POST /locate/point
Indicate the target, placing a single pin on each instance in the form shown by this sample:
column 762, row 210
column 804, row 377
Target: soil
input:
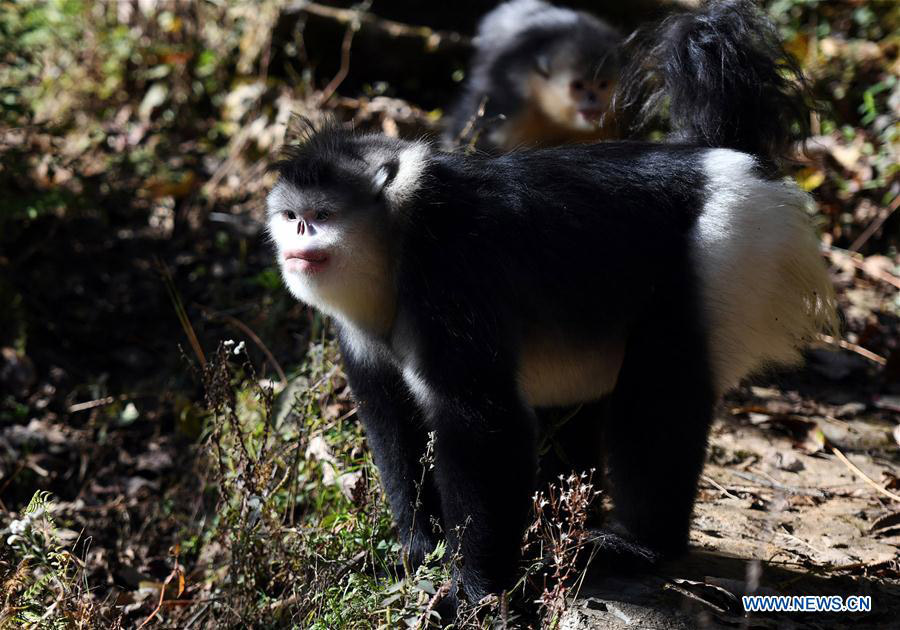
column 776, row 514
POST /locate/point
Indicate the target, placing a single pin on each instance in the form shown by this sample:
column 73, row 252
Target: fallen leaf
column 886, row 522
column 810, row 178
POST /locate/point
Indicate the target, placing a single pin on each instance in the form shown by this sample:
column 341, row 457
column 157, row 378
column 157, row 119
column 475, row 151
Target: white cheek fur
column 355, row 286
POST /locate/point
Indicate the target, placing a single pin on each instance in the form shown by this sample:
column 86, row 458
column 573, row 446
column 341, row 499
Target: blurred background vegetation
column 144, row 329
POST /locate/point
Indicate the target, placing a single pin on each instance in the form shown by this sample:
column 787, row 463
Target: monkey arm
column 398, row 440
column 485, row 466
column 486, row 439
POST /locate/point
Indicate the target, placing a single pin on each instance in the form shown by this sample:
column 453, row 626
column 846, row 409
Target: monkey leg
column 656, row 436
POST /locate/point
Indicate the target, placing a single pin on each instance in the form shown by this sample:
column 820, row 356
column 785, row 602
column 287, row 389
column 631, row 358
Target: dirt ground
column 777, row 514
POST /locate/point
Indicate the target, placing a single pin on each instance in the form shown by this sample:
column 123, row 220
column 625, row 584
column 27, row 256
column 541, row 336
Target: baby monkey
column 541, row 76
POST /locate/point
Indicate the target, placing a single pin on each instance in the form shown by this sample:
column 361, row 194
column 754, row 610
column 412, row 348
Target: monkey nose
column 301, row 227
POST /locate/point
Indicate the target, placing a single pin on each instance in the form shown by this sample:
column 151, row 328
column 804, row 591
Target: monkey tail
column 726, row 78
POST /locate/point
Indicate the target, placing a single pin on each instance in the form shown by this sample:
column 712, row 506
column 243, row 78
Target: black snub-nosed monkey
column 469, row 292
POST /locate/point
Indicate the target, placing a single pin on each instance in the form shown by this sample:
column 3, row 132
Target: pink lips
column 591, row 114
column 305, row 261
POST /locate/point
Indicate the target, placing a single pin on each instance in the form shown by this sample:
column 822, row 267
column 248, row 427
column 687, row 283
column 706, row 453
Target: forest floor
column 178, row 447
column 776, row 514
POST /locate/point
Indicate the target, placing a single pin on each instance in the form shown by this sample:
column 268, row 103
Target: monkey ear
column 384, row 176
column 542, row 65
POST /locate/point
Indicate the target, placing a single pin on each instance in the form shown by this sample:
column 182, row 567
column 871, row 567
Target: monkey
column 541, row 76
column 722, row 78
column 471, row 291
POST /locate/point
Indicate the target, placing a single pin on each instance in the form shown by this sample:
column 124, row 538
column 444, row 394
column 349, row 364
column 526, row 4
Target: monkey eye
column 290, row 215
column 577, row 84
column 603, row 84
column 322, row 215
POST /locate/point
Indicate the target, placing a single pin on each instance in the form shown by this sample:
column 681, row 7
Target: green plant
column 44, row 585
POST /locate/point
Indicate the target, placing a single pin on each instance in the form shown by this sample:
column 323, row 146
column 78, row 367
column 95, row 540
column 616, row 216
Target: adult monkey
column 469, row 291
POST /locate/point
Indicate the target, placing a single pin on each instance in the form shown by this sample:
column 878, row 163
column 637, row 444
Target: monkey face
column 332, row 215
column 591, row 97
column 330, row 251
column 571, row 90
column 572, row 101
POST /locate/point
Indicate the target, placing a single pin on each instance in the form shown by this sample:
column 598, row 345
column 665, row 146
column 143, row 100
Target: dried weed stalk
column 559, row 537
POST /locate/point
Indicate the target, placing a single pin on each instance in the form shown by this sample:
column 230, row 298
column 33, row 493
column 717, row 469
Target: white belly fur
column 556, row 372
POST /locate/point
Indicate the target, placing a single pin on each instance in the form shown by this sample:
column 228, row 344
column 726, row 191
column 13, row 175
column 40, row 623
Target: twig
column 199, row 614
column 342, row 72
column 349, row 414
column 852, row 347
column 470, row 126
column 351, row 564
column 91, row 404
column 771, row 482
column 180, row 311
column 176, row 573
column 875, row 225
column 438, row 596
column 354, row 562
column 330, row 373
column 855, row 469
column 235, row 148
column 434, row 40
column 234, row 321
column 858, row 261
column 797, row 539
column 292, row 488
column 719, row 486
column 19, row 468
column 691, row 595
column 101, row 402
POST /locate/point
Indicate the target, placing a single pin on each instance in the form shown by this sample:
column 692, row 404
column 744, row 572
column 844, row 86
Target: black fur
column 726, row 78
column 396, row 433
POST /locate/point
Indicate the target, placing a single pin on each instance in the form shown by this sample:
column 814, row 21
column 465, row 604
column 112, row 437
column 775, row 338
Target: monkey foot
column 619, row 554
